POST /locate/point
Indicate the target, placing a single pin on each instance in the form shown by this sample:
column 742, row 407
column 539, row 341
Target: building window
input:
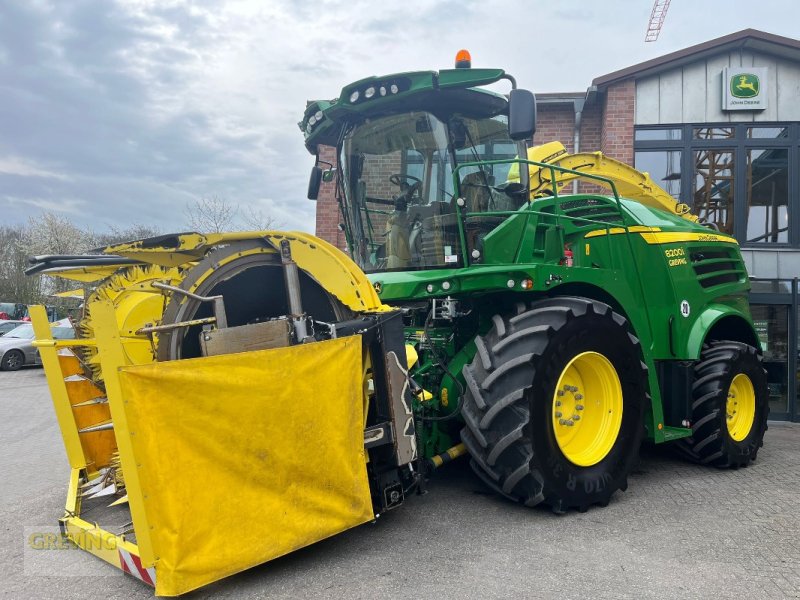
column 771, row 322
column 768, row 195
column 767, row 132
column 664, row 167
column 713, row 133
column 658, row 134
column 712, row 199
column 739, row 177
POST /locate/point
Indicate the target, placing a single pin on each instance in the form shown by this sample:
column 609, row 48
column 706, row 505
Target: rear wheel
column 730, row 405
column 12, row 361
column 554, row 404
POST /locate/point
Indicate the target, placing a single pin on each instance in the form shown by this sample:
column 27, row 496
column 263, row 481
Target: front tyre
column 555, row 403
column 730, row 405
column 12, row 361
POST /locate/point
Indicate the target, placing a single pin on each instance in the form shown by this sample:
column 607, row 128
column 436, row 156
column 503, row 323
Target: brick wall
column 555, row 123
column 616, row 139
column 591, row 128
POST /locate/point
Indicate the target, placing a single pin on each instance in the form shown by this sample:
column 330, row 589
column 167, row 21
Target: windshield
column 25, row 332
column 397, row 183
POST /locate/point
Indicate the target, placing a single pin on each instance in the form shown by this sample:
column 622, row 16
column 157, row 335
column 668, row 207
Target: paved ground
column 679, row 531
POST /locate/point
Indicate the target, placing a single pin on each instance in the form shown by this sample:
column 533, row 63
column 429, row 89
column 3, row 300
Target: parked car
column 16, row 346
column 8, row 325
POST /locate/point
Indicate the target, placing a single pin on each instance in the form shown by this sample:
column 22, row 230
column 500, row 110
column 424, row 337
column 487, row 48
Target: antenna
column 657, row 17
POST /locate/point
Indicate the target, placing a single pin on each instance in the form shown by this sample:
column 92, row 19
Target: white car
column 16, row 346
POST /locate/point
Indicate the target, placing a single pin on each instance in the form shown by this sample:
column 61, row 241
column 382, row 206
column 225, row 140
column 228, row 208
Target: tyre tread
column 709, row 443
column 495, row 406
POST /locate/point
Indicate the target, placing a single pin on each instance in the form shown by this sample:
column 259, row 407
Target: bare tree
column 215, row 214
column 211, row 214
column 15, row 286
column 50, row 233
column 257, row 220
column 119, row 235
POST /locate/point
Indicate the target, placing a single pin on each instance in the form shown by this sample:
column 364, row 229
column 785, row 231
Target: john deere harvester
column 233, row 397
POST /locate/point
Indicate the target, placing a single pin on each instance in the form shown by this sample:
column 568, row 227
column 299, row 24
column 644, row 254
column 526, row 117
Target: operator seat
column 398, row 252
column 440, row 240
column 476, row 192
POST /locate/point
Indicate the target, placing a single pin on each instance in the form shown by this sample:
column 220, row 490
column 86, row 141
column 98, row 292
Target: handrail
column 556, row 202
column 556, row 198
column 548, row 166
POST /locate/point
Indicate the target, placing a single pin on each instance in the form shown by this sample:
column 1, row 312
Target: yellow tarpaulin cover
column 246, row 457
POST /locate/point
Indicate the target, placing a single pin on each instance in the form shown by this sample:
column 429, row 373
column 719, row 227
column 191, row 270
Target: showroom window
column 737, row 176
column 768, row 195
column 774, row 306
column 664, row 167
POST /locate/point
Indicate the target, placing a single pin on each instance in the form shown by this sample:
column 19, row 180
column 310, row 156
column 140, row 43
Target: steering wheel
column 407, row 194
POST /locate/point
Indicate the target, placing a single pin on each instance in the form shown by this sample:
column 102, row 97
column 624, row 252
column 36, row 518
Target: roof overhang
column 747, row 39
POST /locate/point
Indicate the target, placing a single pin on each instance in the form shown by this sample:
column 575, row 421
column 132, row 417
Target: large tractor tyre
column 12, row 361
column 730, row 405
column 555, row 403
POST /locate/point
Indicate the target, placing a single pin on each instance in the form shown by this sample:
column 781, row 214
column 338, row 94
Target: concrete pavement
column 679, row 531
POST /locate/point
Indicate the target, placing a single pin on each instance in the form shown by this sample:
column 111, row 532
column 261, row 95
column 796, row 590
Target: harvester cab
column 402, row 140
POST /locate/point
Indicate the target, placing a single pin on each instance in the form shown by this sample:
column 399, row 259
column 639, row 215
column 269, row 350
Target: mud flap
column 243, row 458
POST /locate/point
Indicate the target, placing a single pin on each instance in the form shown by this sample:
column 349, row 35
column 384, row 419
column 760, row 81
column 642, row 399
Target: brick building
column 718, row 126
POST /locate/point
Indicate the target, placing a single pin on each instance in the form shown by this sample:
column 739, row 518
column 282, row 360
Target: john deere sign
column 744, row 88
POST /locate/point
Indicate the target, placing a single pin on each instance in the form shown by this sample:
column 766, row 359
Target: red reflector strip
column 132, row 565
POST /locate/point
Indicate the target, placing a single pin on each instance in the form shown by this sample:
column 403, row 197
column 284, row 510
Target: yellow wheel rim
column 740, row 407
column 587, row 409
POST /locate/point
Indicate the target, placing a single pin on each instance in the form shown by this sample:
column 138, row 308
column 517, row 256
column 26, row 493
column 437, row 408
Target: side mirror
column 521, row 115
column 314, row 182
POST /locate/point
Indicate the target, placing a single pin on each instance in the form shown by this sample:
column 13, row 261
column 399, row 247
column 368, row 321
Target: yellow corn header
column 218, row 408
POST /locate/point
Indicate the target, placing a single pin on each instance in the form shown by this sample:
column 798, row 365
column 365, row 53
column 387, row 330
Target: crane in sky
column 657, row 16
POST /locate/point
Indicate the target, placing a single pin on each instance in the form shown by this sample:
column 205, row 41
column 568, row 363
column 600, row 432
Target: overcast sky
column 115, row 113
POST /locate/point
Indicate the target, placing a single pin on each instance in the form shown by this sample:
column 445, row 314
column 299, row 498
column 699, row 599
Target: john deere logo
column 745, row 85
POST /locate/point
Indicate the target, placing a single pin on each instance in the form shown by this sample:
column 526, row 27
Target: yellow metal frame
column 88, row 536
column 629, row 182
column 332, row 269
column 72, row 392
column 328, row 265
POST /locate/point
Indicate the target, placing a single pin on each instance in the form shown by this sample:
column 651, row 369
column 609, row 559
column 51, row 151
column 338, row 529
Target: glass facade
column 713, row 191
column 774, row 305
column 772, row 326
column 664, row 167
column 740, row 177
column 768, row 195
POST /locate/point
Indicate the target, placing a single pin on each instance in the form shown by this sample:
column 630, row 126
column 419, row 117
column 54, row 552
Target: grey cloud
column 125, row 112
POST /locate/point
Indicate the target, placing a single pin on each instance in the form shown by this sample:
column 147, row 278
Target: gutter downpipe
column 576, row 141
